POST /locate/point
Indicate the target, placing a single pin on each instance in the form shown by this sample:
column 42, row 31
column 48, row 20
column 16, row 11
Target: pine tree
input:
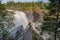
column 50, row 19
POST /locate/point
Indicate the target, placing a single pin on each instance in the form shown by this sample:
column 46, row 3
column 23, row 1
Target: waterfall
column 20, row 19
column 21, row 29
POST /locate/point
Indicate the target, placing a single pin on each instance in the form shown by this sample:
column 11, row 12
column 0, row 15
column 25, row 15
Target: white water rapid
column 20, row 19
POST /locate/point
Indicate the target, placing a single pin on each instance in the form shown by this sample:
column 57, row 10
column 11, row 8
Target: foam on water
column 20, row 19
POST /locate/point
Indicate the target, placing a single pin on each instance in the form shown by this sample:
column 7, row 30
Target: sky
column 4, row 1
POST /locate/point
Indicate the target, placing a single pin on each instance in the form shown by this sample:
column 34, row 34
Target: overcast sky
column 4, row 1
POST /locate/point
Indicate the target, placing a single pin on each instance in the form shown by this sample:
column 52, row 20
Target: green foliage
column 5, row 21
column 24, row 5
column 48, row 26
column 2, row 7
column 50, row 18
column 53, row 6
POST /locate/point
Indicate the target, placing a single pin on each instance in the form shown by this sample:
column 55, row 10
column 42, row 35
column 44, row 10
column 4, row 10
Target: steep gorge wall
column 34, row 16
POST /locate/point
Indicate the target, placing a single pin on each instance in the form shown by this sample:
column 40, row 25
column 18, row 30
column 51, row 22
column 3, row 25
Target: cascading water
column 21, row 29
column 20, row 19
